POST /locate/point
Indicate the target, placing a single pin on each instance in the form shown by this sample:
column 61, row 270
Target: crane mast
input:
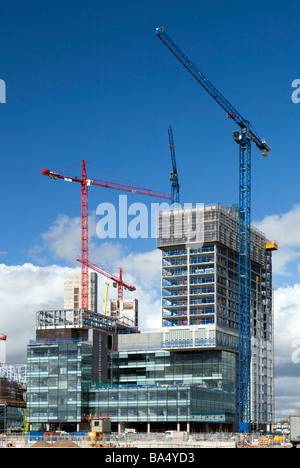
column 173, row 175
column 244, row 137
column 84, row 238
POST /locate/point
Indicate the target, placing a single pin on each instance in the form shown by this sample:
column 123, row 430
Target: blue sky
column 90, row 80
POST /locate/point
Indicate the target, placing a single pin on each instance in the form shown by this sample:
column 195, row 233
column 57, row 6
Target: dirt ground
column 57, row 444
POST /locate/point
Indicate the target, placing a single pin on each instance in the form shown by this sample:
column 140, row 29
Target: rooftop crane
column 244, row 137
column 86, row 182
column 119, row 281
column 173, row 175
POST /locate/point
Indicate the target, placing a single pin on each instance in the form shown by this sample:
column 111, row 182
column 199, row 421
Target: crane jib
column 210, row 88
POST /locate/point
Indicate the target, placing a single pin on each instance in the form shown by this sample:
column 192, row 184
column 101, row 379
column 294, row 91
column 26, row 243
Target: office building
column 71, row 351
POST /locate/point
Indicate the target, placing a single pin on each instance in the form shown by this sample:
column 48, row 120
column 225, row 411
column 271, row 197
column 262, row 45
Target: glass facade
column 165, row 386
column 12, row 418
column 163, row 403
column 141, row 404
column 59, row 376
column 147, row 385
column 214, row 369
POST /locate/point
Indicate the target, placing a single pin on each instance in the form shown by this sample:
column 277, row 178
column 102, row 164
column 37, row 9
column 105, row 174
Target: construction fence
column 143, row 440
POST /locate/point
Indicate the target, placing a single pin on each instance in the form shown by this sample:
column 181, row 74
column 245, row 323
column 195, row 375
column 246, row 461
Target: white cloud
column 286, row 323
column 284, row 228
column 146, row 267
column 287, row 397
column 62, row 241
column 287, row 350
column 25, row 289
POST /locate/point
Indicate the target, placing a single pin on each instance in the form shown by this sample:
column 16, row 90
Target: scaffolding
column 206, row 224
column 13, row 372
column 80, row 318
column 200, row 278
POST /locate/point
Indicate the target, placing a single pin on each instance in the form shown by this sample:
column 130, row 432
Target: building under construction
column 124, row 310
column 12, row 404
column 200, row 292
column 182, row 377
column 73, row 291
column 12, row 393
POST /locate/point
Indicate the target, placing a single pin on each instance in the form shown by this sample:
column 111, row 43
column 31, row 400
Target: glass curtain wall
column 166, row 386
column 59, row 376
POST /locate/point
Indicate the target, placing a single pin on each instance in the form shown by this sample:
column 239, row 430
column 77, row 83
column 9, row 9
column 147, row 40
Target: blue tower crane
column 173, row 175
column 244, row 137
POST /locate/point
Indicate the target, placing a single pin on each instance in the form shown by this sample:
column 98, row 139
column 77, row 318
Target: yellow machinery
column 105, row 299
column 272, row 245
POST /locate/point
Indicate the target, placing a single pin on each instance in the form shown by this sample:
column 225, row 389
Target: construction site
column 206, row 377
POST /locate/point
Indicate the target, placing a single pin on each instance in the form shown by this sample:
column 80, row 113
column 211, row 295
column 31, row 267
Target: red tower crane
column 85, row 183
column 3, row 337
column 119, row 281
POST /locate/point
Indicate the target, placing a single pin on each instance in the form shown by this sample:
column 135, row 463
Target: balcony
column 175, row 272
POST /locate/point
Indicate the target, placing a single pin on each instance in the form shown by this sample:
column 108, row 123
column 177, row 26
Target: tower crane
column 3, row 337
column 117, row 280
column 86, row 182
column 173, row 175
column 243, row 137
